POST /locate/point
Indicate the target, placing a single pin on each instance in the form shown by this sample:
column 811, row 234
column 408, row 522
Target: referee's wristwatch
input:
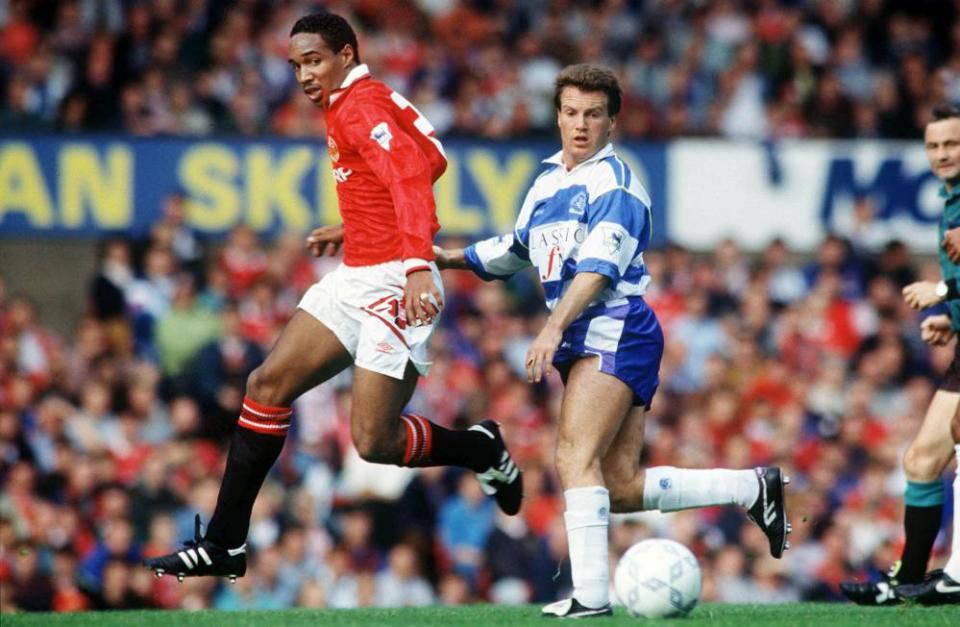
column 946, row 291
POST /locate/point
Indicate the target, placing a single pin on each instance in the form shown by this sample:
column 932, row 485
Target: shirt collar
column 603, row 153
column 949, row 195
column 354, row 75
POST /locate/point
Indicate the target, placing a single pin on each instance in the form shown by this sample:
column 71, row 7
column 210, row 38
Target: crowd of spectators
column 733, row 68
column 113, row 438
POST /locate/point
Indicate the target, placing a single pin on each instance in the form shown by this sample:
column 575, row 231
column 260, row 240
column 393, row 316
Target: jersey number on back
column 421, row 123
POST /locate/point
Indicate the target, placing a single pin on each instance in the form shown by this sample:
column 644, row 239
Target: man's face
column 942, row 141
column 584, row 124
column 318, row 69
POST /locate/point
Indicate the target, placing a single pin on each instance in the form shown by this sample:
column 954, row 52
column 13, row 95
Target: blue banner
column 86, row 186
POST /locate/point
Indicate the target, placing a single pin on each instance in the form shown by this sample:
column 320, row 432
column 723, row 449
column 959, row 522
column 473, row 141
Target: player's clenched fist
column 421, row 298
column 922, row 294
column 936, row 330
column 325, row 240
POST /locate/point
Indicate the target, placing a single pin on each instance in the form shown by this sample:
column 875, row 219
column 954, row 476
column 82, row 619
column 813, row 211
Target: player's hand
column 951, row 244
column 921, row 294
column 421, row 298
column 936, row 330
column 541, row 352
column 325, row 240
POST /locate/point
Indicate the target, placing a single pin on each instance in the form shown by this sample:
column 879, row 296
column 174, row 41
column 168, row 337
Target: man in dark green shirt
column 932, row 448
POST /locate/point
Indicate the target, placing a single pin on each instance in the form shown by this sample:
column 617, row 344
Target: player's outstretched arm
column 490, row 259
column 450, row 258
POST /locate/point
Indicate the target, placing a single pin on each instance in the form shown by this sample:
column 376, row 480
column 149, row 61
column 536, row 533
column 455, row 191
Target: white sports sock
column 670, row 489
column 587, row 517
column 953, row 565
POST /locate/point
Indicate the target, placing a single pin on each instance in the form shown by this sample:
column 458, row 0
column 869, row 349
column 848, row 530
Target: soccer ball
column 658, row 578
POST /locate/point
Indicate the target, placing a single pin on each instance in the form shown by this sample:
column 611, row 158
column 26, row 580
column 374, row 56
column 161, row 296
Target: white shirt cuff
column 413, row 264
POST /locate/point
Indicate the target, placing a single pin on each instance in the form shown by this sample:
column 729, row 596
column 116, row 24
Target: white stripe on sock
column 263, row 425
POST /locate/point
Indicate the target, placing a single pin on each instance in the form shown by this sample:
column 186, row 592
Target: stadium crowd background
column 734, row 68
column 111, row 438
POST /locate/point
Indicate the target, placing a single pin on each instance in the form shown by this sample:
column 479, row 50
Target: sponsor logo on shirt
column 381, row 135
column 385, row 348
column 554, row 264
column 568, row 233
column 333, row 149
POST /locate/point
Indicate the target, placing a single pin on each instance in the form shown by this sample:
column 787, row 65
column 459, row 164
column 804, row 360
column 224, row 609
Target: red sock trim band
column 265, row 411
column 427, row 447
column 419, row 439
column 264, row 419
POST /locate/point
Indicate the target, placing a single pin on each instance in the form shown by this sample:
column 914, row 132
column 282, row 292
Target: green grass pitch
column 818, row 614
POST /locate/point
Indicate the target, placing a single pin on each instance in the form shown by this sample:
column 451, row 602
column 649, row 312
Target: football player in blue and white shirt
column 584, row 226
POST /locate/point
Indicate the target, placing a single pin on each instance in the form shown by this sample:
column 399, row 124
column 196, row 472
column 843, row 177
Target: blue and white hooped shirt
column 593, row 218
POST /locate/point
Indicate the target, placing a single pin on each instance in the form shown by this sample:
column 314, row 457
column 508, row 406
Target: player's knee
column 263, row 387
column 370, row 446
column 572, row 462
column 921, row 464
column 367, row 448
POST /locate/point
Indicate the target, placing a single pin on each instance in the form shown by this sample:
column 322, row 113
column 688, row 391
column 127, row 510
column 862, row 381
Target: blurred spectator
column 221, row 367
column 465, row 522
column 101, row 570
column 32, row 589
column 183, row 331
column 400, row 584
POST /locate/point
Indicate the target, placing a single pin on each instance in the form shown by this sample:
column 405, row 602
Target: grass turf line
column 714, row 614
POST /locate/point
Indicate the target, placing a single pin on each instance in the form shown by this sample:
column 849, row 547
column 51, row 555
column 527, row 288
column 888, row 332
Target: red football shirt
column 385, row 158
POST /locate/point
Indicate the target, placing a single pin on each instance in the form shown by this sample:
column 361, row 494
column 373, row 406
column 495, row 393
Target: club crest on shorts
column 381, row 134
column 333, row 149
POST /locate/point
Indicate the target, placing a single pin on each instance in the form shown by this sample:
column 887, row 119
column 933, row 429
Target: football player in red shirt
column 376, row 311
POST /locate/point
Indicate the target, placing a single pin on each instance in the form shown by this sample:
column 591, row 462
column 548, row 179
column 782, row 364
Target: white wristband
column 413, row 265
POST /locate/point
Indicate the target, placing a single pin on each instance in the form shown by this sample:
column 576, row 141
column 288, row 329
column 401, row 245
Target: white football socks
column 953, row 565
column 670, row 489
column 587, row 517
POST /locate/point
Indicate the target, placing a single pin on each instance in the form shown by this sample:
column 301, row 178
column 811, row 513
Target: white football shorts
column 363, row 306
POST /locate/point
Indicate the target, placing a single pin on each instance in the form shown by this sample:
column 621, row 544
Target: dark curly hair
column 335, row 31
